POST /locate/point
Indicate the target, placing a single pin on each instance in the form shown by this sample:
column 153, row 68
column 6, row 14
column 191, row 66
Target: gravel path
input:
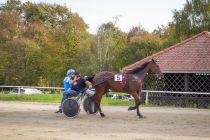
column 36, row 121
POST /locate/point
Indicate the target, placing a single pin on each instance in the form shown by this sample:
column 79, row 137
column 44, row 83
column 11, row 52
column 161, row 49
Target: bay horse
column 104, row 81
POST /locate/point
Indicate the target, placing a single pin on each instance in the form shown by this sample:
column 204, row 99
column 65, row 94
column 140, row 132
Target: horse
column 133, row 82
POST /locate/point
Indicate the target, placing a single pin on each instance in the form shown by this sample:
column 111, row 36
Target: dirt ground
column 36, row 121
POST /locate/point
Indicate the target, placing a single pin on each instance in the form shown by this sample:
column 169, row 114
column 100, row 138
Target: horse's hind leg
column 99, row 108
column 97, row 98
column 100, row 111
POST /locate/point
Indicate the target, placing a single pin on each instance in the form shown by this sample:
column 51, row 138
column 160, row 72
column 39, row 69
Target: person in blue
column 67, row 87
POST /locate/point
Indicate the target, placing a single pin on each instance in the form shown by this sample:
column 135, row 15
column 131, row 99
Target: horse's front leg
column 137, row 98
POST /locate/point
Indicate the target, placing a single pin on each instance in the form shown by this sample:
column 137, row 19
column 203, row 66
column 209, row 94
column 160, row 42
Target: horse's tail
column 90, row 78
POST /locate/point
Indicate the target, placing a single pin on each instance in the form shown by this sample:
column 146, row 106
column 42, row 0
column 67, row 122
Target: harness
column 123, row 82
column 118, row 77
column 124, row 79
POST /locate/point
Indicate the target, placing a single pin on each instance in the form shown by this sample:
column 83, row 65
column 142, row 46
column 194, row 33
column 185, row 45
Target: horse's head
column 155, row 69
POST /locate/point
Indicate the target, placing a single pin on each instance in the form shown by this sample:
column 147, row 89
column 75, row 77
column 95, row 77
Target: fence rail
column 7, row 89
column 198, row 99
column 31, row 87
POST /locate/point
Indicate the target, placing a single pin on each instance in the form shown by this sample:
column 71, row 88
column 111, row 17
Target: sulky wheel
column 70, row 107
column 90, row 106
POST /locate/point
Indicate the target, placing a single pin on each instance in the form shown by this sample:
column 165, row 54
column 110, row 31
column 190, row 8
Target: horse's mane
column 140, row 68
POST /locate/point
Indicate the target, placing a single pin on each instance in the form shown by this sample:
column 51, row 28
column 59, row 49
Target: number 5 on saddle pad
column 118, row 77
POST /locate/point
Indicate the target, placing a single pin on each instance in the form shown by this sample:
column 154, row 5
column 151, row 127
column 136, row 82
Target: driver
column 77, row 83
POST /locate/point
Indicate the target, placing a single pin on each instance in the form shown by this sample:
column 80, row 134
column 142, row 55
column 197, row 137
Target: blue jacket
column 66, row 83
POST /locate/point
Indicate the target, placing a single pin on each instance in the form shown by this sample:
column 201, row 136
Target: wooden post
column 186, row 82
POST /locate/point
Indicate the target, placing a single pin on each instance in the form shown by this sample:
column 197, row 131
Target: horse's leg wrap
column 132, row 108
column 100, row 111
column 102, row 115
column 141, row 116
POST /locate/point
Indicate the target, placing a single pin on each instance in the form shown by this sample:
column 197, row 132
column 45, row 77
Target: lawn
column 55, row 98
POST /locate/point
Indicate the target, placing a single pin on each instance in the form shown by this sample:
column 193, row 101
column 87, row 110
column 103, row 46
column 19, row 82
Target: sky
column 148, row 14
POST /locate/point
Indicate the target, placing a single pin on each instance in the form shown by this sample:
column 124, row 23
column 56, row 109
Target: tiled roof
column 191, row 55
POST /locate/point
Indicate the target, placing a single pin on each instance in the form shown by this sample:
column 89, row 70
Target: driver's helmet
column 70, row 72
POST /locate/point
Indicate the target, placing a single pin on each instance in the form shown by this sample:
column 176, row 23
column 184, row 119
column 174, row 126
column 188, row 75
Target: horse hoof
column 102, row 115
column 131, row 108
column 142, row 117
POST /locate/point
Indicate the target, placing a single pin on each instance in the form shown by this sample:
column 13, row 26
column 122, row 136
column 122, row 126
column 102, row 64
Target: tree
column 53, row 15
column 109, row 40
column 23, row 62
column 11, row 25
column 40, row 42
column 140, row 46
column 12, row 5
column 2, row 65
column 192, row 19
column 136, row 31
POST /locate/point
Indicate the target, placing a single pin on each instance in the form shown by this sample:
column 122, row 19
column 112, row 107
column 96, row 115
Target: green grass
column 51, row 98
column 55, row 98
column 108, row 101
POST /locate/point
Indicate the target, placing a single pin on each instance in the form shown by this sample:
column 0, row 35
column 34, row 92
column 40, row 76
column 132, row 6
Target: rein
column 100, row 82
column 104, row 80
column 123, row 82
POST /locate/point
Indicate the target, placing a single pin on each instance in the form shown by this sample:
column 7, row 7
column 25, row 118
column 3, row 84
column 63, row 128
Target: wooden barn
column 186, row 65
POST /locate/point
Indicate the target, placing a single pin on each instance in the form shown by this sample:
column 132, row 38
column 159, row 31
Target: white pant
column 90, row 92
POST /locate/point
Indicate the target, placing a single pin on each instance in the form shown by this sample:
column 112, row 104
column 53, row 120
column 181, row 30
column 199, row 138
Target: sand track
column 36, row 121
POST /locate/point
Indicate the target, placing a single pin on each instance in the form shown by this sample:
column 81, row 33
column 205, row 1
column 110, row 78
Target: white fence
column 7, row 89
column 170, row 92
column 164, row 96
